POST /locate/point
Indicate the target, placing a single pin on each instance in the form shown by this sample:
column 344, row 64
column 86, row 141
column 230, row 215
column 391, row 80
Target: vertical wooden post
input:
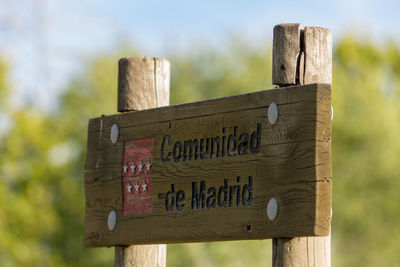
column 301, row 57
column 143, row 83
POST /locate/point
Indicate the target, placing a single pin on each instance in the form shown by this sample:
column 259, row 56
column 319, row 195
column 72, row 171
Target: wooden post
column 143, row 83
column 301, row 57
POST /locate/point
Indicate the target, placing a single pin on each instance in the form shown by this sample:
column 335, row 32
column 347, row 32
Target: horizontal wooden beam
column 206, row 171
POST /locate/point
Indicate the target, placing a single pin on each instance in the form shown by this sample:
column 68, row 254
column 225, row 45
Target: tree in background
column 366, row 149
column 41, row 170
column 42, row 157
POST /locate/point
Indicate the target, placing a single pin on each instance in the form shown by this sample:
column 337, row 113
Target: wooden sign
column 206, row 171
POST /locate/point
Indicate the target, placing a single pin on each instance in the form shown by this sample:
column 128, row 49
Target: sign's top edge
column 182, row 105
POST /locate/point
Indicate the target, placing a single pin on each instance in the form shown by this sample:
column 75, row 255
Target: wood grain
column 286, row 49
column 293, row 166
column 143, row 83
column 301, row 56
column 315, row 65
column 144, row 255
column 318, row 55
column 292, row 251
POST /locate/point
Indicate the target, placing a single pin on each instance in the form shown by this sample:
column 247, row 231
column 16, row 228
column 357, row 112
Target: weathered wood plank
column 286, row 49
column 291, row 166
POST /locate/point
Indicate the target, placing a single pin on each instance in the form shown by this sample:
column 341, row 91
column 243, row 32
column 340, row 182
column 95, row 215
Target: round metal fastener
column 112, row 220
column 331, row 113
column 273, row 113
column 272, row 209
column 114, row 133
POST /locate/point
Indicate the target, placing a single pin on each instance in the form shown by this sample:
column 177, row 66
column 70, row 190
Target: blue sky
column 46, row 41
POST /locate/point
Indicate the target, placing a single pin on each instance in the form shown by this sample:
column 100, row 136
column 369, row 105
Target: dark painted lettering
column 198, row 198
column 212, row 147
column 238, row 191
column 177, row 155
column 204, row 155
column 244, row 143
column 256, row 137
column 212, row 198
column 180, row 197
column 189, row 144
column 232, row 139
column 215, row 142
column 223, row 190
column 170, row 199
column 164, row 158
column 247, row 194
column 229, row 195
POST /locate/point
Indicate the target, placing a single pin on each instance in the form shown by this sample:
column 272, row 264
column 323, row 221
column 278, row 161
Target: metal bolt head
column 272, row 209
column 112, row 220
column 331, row 113
column 273, row 113
column 114, row 133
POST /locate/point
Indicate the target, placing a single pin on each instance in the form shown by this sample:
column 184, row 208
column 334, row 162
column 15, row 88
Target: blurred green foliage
column 366, row 149
column 42, row 157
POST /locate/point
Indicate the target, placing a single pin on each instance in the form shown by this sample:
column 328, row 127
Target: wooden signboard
column 206, row 171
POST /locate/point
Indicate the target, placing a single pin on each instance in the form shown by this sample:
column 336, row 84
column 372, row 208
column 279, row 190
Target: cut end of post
column 143, row 83
column 318, row 55
column 286, row 48
column 301, row 56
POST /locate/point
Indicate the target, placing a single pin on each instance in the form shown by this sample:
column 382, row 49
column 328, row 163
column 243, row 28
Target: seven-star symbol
column 148, row 165
column 133, row 166
column 125, row 169
column 140, row 167
column 144, row 186
column 129, row 187
column 136, row 186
